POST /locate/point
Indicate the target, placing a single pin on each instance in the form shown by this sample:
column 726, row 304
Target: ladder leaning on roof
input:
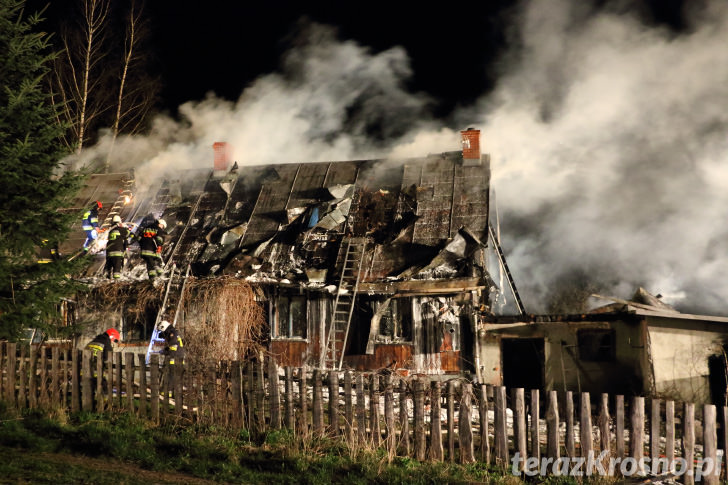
column 504, row 266
column 172, row 298
column 351, row 254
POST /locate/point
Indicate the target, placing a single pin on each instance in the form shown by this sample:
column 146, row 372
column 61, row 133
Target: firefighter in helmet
column 151, row 239
column 174, row 350
column 102, row 343
column 90, row 223
column 118, row 241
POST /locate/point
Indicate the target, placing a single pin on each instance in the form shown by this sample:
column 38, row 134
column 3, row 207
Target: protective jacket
column 118, row 241
column 151, row 239
column 90, row 219
column 174, row 347
column 102, row 343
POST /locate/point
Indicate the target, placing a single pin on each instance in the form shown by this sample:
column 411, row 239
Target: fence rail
column 530, row 432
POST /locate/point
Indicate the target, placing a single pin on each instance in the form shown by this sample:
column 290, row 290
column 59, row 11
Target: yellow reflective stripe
column 171, row 361
column 172, row 347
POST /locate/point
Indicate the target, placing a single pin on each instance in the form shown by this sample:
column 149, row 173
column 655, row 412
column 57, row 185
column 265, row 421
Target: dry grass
column 135, row 297
column 223, row 320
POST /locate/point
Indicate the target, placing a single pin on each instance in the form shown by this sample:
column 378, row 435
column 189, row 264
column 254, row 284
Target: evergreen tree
column 33, row 182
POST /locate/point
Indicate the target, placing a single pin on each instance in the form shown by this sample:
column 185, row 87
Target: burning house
column 360, row 264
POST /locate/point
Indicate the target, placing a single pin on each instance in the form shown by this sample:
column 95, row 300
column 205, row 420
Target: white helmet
column 162, row 223
column 116, row 219
column 163, row 325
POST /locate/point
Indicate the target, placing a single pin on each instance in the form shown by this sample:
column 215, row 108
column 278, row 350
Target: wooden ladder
column 351, row 254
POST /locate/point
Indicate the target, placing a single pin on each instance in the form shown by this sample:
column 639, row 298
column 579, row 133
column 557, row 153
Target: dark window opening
column 291, row 319
column 396, row 320
column 596, row 345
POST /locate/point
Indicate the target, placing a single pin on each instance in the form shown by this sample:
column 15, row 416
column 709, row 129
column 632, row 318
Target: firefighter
column 103, row 343
column 151, row 239
column 90, row 224
column 118, row 241
column 174, row 350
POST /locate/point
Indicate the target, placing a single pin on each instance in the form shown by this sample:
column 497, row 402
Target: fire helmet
column 163, row 325
column 162, row 223
column 113, row 334
column 99, row 205
column 116, row 219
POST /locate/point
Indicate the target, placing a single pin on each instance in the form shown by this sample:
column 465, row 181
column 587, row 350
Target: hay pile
column 137, row 298
column 222, row 320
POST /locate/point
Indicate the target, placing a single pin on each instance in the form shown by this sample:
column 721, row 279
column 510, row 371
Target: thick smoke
column 607, row 138
column 610, row 155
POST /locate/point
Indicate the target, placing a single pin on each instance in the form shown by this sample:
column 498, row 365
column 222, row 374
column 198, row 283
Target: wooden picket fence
column 416, row 416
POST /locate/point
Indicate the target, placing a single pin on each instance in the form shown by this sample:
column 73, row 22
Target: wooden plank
column 143, row 397
column 724, row 410
column 585, row 431
column 484, row 431
column 619, row 426
column 334, row 428
column 33, row 377
column 711, row 465
column 688, row 443
column 154, row 387
column 603, row 422
column 130, row 371
column 290, row 406
column 535, row 425
column 451, row 420
column 465, row 429
column 10, row 395
column 519, row 426
column 76, row 359
column 500, row 428
column 655, row 435
column 117, row 373
column 113, row 381
column 260, row 395
column 389, row 422
column 420, row 444
column 670, row 435
column 275, row 393
column 361, row 410
column 636, row 430
column 318, row 405
column 302, row 391
column 44, row 378
column 374, row 412
column 436, row 449
column 348, row 407
column 249, row 392
column 552, row 427
column 569, row 418
column 99, row 377
column 66, row 376
column 3, row 358
column 87, row 383
column 55, row 377
column 237, row 417
column 23, row 378
column 404, row 427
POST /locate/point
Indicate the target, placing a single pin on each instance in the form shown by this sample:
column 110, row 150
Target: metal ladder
column 125, row 195
column 502, row 261
column 351, row 254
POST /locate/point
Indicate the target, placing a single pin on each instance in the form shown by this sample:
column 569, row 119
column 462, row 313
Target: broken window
column 396, row 320
column 596, row 345
column 291, row 317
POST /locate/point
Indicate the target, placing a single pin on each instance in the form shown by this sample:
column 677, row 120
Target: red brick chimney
column 223, row 155
column 471, row 144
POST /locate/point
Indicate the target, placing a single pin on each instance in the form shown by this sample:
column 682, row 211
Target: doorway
column 523, row 362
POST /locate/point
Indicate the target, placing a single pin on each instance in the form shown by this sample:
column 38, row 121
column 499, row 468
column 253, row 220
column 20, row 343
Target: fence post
column 619, row 425
column 115, row 357
column 654, row 432
column 143, row 398
column 710, row 466
column 236, row 390
column 688, row 443
column 636, row 435
column 33, row 378
column 3, row 352
column 585, row 428
column 44, row 382
column 260, row 394
column 501, row 431
column 465, row 430
column 275, row 394
column 303, row 399
column 724, row 410
column 436, row 450
column 86, row 383
column 483, row 412
column 552, row 427
column 361, row 410
column 348, row 407
column 604, row 428
column 12, row 364
column 154, row 387
column 55, row 376
column 569, row 417
column 404, row 440
column 389, row 415
column 419, row 421
column 670, row 435
column 519, row 426
column 318, row 405
column 451, row 420
column 98, row 363
column 334, row 429
column 374, row 414
column 129, row 365
column 22, row 378
column 290, row 407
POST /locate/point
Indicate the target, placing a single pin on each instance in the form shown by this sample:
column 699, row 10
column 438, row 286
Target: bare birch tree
column 79, row 73
column 137, row 92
